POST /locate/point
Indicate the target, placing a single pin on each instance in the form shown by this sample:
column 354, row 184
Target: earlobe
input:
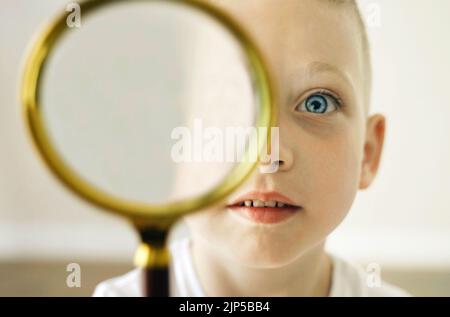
column 366, row 178
column 373, row 148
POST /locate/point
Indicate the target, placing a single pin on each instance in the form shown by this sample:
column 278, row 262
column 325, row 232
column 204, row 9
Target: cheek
column 331, row 169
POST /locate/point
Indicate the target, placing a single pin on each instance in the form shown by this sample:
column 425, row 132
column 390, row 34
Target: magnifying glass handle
column 156, row 282
column 152, row 256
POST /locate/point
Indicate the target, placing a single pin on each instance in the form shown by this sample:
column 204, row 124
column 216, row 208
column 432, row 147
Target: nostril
column 279, row 162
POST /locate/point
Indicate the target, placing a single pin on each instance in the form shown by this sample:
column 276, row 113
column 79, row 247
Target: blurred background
column 402, row 223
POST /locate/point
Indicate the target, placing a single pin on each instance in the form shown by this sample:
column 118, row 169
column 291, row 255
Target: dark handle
column 153, row 257
column 156, row 282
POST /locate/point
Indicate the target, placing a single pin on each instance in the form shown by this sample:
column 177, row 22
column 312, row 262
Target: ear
column 373, row 148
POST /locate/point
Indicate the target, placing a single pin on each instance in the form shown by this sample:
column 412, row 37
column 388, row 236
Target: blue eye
column 319, row 103
column 316, row 104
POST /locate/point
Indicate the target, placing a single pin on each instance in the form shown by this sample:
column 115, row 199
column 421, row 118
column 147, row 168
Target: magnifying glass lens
column 149, row 102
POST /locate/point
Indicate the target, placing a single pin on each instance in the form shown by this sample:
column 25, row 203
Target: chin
column 259, row 254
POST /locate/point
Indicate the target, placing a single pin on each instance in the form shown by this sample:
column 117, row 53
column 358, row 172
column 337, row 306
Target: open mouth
column 256, row 203
column 267, row 208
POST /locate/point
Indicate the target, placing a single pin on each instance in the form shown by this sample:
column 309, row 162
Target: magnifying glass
column 141, row 110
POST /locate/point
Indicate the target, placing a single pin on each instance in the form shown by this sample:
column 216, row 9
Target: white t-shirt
column 348, row 280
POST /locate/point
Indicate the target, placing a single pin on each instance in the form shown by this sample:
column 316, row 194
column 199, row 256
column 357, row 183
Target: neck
column 309, row 275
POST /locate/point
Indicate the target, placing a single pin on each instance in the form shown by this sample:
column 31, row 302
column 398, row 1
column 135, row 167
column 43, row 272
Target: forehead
column 303, row 39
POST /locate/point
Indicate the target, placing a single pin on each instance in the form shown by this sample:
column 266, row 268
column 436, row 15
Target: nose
column 280, row 159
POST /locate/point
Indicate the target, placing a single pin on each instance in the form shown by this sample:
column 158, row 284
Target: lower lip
column 266, row 215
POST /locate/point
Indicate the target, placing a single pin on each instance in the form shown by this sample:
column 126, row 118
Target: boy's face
column 328, row 146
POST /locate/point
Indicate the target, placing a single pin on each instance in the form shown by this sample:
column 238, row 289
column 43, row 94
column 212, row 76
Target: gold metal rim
column 147, row 256
column 141, row 214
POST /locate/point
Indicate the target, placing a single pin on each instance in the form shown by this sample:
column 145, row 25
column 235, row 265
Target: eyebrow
column 322, row 67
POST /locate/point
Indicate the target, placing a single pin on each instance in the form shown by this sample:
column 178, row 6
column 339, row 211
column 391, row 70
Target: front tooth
column 270, row 203
column 258, row 203
column 248, row 203
column 280, row 204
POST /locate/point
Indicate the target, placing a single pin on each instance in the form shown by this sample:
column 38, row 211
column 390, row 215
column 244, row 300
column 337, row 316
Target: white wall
column 404, row 219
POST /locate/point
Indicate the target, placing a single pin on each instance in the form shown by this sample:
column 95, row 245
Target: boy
column 269, row 239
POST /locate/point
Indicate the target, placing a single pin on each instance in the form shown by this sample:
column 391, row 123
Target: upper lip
column 263, row 196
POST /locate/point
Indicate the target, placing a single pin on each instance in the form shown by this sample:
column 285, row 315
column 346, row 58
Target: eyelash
column 335, row 97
